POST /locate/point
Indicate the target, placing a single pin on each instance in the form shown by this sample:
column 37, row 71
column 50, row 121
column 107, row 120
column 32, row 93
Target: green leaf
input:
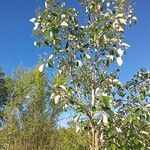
column 113, row 147
column 105, row 100
column 79, row 109
column 50, row 63
column 93, row 108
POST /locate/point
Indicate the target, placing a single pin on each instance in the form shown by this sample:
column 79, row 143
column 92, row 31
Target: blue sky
column 16, row 41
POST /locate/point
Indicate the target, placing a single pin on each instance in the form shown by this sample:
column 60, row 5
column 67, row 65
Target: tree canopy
column 83, row 52
column 86, row 49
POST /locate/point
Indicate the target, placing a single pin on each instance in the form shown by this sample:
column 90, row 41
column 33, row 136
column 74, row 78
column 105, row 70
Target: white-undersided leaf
column 97, row 91
column 35, row 43
column 104, row 94
column 138, row 118
column 59, row 71
column 121, row 29
column 102, row 136
column 123, row 21
column 111, row 57
column 65, row 106
column 39, row 17
column 27, row 97
column 51, row 56
column 63, row 16
column 115, row 80
column 57, row 99
column 51, row 34
column 52, row 95
column 32, row 20
column 134, row 18
column 36, row 25
column 86, row 10
column 77, row 128
column 88, row 56
column 45, row 53
column 83, row 27
column 120, row 15
column 125, row 45
column 99, row 122
column 108, row 4
column 106, row 14
column 119, row 61
column 118, row 130
column 144, row 132
column 46, row 4
column 47, row 65
column 41, row 68
column 99, row 7
column 104, row 118
column 91, row 6
column 64, row 24
column 63, row 87
column 63, row 4
column 79, row 63
column 105, row 38
column 74, row 9
column 120, row 52
column 78, row 46
column 76, row 118
column 147, row 106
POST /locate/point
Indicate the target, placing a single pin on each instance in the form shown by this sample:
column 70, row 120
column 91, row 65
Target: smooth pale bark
column 94, row 132
column 95, row 143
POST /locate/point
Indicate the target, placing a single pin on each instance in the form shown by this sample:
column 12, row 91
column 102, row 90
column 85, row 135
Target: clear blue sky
column 16, row 41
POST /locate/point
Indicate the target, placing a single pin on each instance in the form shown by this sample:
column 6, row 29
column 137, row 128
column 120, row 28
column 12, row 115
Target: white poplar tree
column 81, row 53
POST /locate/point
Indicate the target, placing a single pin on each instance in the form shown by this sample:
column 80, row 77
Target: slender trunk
column 94, row 139
column 97, row 147
column 94, row 132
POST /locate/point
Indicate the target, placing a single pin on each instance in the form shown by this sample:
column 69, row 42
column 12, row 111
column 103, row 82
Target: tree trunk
column 94, row 137
column 94, row 140
column 94, row 132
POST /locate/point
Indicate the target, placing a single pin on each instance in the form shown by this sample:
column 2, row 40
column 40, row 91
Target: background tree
column 31, row 118
column 3, row 95
column 27, row 123
column 69, row 139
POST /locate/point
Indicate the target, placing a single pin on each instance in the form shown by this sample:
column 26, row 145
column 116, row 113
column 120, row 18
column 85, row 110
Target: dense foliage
column 30, row 119
column 83, row 44
column 25, row 116
column 3, row 95
column 82, row 52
